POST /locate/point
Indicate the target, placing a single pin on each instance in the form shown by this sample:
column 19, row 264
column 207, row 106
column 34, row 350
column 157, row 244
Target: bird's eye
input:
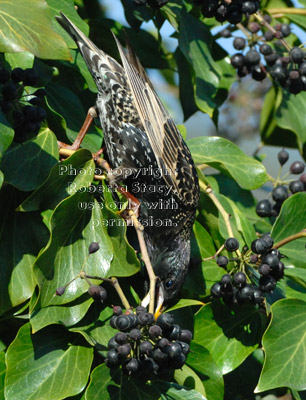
column 169, row 283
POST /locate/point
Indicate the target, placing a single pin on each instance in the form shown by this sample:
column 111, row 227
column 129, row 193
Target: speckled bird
column 143, row 142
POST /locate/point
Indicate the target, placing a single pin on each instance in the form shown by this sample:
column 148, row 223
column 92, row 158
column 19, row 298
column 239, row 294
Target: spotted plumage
column 141, row 137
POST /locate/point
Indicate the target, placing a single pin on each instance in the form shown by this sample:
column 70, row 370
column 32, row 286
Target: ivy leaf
column 226, row 157
column 104, row 385
column 27, row 165
column 76, row 222
column 2, row 373
column 229, row 335
column 27, row 26
column 284, row 343
column 7, row 134
column 21, row 238
column 55, row 354
column 65, row 179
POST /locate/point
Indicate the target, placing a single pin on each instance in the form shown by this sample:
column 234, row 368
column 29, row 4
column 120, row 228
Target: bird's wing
column 163, row 135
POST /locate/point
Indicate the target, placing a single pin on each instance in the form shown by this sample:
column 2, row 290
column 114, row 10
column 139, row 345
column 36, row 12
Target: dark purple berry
column 131, row 366
column 296, row 186
column 271, row 59
column 145, row 347
column 257, row 296
column 6, row 106
column 258, row 73
column 302, row 68
column 264, row 208
column 254, row 27
column 216, row 290
column 17, row 75
column 271, row 260
column 231, row 244
column 296, row 55
column 267, row 283
column 135, row 334
column 285, row 29
column 185, row 336
column 155, row 331
column 97, row 292
column 175, row 333
column 265, row 49
column 253, row 259
column 226, row 33
column 259, row 246
column 268, row 239
column 40, row 93
column 112, row 358
column 30, row 77
column 240, row 279
column 252, row 57
column 113, row 321
column 117, row 310
column 9, row 91
column 248, row 7
column 222, row 261
column 226, row 281
column 160, row 357
column 165, row 321
column 267, row 18
column 278, row 72
column 264, row 269
column 145, row 318
column 239, row 43
column 297, row 167
column 60, row 290
column 303, row 179
column 112, row 344
column 123, row 322
column 280, row 194
column 124, row 350
column 140, row 309
column 121, row 338
column 237, row 60
column 269, row 36
column 283, row 157
column 93, row 247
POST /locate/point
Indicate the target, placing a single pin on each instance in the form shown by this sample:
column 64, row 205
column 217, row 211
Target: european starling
column 147, row 153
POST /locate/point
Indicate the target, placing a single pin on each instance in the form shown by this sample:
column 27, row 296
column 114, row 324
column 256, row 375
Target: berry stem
column 290, row 239
column 215, row 255
column 244, row 30
column 208, row 190
column 120, row 293
column 263, row 22
column 287, row 10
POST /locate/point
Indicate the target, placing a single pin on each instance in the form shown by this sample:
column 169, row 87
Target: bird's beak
column 159, row 300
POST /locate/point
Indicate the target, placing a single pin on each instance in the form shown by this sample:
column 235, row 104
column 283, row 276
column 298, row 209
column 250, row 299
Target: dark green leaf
column 22, row 237
column 64, row 180
column 50, row 364
column 27, row 165
column 284, row 343
column 21, row 60
column 7, row 134
column 226, row 156
column 292, row 217
column 76, row 222
column 229, row 335
column 105, row 384
column 2, row 373
column 200, row 360
column 28, row 27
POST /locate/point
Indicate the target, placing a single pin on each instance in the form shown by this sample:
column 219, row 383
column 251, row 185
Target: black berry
column 231, row 244
column 93, row 247
column 297, row 167
column 283, row 157
column 279, row 193
column 264, row 208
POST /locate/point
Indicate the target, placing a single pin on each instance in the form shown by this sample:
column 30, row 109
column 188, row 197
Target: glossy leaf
column 27, row 165
column 227, row 157
column 2, row 373
column 76, row 222
column 7, row 134
column 103, row 385
column 229, row 335
column 284, row 343
column 32, row 18
column 65, row 179
column 21, row 238
column 43, row 365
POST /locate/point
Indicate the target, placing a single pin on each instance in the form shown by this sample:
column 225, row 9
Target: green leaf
column 7, row 134
column 227, row 157
column 27, row 26
column 285, row 346
column 2, row 373
column 67, row 7
column 290, row 116
column 65, row 179
column 50, row 364
column 229, row 335
column 296, row 272
column 67, row 104
column 21, row 238
column 104, row 385
column 76, row 222
column 27, row 165
column 185, row 303
column 188, row 378
column 202, row 277
column 200, row 360
column 67, row 315
column 20, row 60
column 95, row 326
column 292, row 217
column 195, row 44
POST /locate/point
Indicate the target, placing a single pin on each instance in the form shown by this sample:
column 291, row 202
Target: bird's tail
column 95, row 58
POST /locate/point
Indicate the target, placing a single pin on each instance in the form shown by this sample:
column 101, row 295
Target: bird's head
column 170, row 263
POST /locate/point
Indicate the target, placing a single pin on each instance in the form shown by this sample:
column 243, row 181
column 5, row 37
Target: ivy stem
column 208, row 190
column 146, row 259
column 287, row 10
column 244, row 30
column 290, row 239
column 263, row 22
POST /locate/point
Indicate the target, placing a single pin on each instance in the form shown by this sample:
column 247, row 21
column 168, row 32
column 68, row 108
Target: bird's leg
column 91, row 115
column 114, row 177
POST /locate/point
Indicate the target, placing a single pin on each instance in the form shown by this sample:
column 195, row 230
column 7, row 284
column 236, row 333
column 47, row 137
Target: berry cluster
column 241, row 288
column 231, row 11
column 151, row 3
column 288, row 69
column 26, row 118
column 144, row 347
column 280, row 193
